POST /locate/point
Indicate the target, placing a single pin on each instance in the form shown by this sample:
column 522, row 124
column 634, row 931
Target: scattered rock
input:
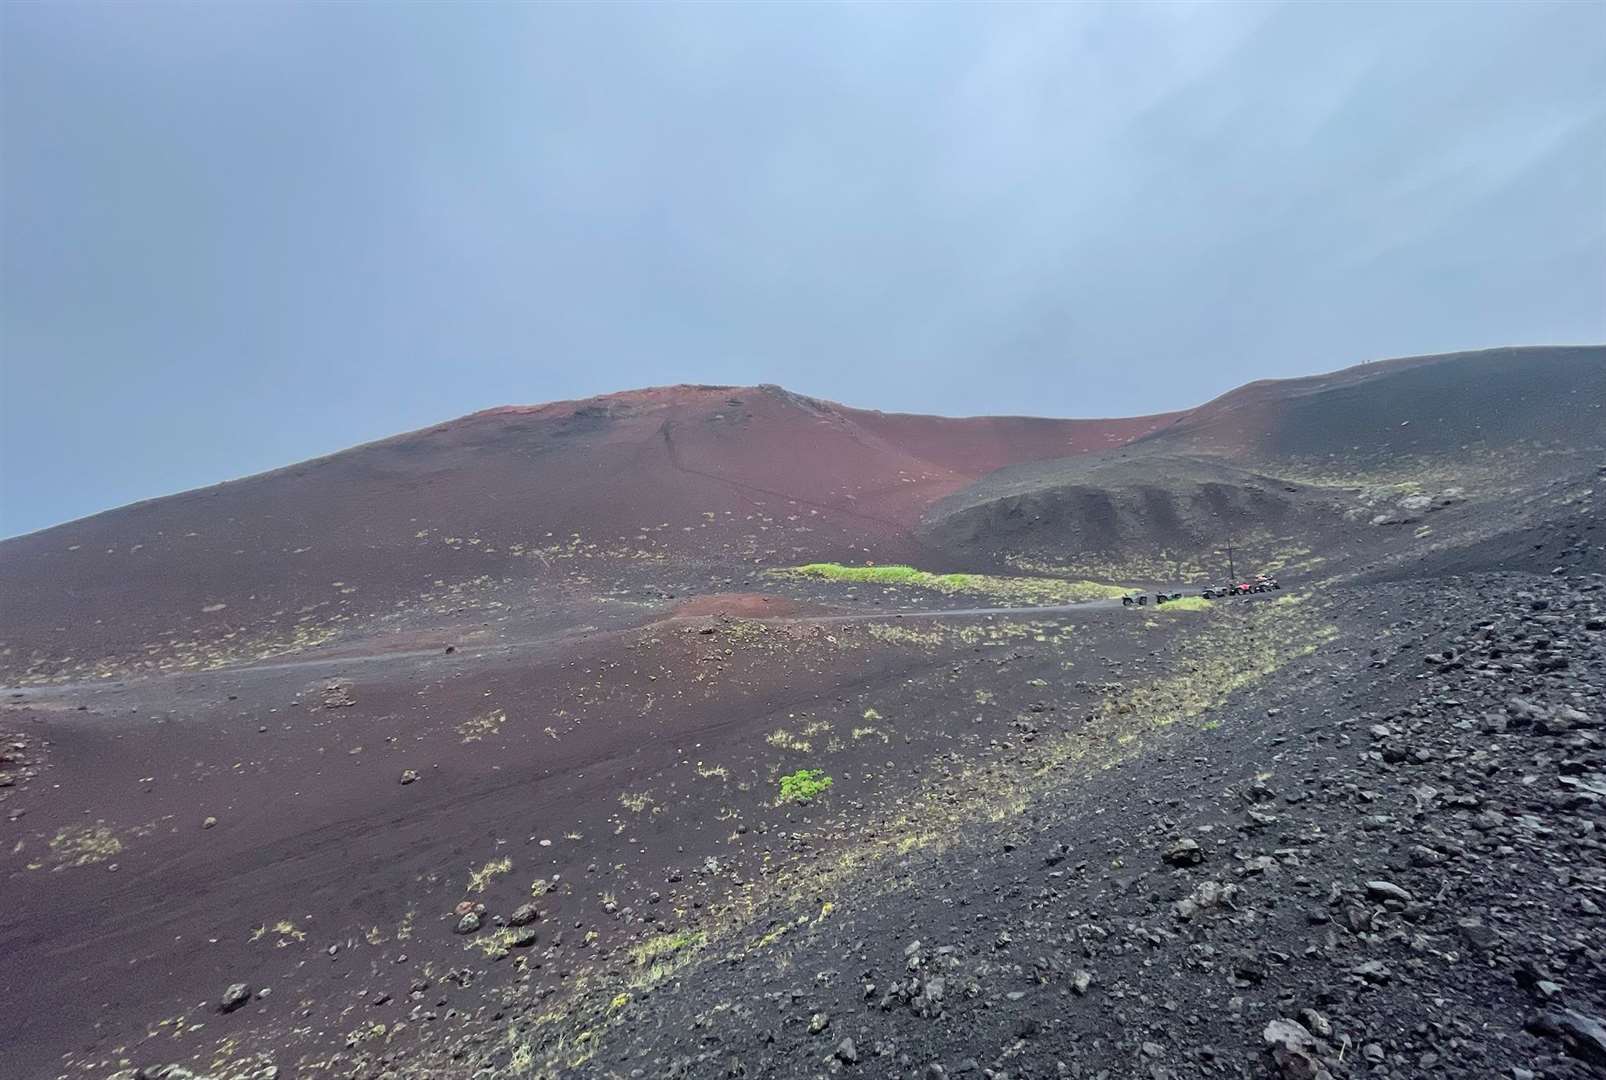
column 1372, row 971
column 337, row 695
column 1293, row 1051
column 1387, row 890
column 1315, row 1023
column 1584, row 1036
column 1184, row 852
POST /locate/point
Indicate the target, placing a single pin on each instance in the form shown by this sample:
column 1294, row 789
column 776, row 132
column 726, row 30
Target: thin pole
column 1231, row 572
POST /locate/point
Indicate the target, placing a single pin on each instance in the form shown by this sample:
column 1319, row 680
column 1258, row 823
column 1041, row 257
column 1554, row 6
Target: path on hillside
column 23, row 694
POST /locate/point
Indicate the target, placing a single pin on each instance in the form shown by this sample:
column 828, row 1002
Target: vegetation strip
column 1035, row 590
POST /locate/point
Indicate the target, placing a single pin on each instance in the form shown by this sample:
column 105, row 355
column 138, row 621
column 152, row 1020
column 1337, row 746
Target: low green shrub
column 803, row 785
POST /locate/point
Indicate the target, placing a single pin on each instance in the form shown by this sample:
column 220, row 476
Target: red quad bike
column 1261, row 584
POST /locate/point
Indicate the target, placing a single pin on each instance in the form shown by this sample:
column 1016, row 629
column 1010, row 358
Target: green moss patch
column 1010, row 590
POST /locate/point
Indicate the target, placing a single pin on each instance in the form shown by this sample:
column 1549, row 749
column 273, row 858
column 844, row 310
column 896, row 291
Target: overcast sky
column 240, row 235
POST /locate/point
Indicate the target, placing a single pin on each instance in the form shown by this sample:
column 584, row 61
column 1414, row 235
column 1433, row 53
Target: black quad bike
column 1142, row 599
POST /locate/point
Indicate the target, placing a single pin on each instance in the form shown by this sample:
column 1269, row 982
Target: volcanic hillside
column 579, row 741
column 1391, row 461
column 725, row 475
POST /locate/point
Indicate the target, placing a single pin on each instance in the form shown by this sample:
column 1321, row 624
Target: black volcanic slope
column 1307, row 466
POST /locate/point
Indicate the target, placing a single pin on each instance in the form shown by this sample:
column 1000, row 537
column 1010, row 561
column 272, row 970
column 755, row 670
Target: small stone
column 1293, row 1049
column 1287, row 1035
column 209, row 822
column 1586, row 1033
column 1373, row 971
column 524, row 915
column 1424, row 856
column 236, row 995
column 1081, row 981
column 1316, row 1023
column 409, row 776
column 846, row 1051
column 1387, row 890
column 1184, row 852
column 469, row 923
column 818, row 1023
column 1476, row 933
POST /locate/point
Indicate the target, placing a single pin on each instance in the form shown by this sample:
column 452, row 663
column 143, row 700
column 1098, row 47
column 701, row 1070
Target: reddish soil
column 744, row 606
column 611, row 764
column 734, row 475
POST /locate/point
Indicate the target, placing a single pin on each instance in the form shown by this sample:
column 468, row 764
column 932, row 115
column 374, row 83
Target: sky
column 235, row 236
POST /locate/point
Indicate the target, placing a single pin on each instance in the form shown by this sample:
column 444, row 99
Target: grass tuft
column 478, row 879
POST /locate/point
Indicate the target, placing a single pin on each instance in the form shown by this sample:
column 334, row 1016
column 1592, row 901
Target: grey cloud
column 237, row 236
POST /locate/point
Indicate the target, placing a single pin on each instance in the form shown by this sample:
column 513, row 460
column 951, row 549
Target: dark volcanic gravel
column 1399, row 872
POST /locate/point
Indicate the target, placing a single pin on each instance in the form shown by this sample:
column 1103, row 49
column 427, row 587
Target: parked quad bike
column 1243, row 588
column 1142, row 599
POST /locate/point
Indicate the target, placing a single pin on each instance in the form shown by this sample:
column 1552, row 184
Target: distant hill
column 1416, row 405
column 1325, row 470
column 758, row 476
column 736, row 475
